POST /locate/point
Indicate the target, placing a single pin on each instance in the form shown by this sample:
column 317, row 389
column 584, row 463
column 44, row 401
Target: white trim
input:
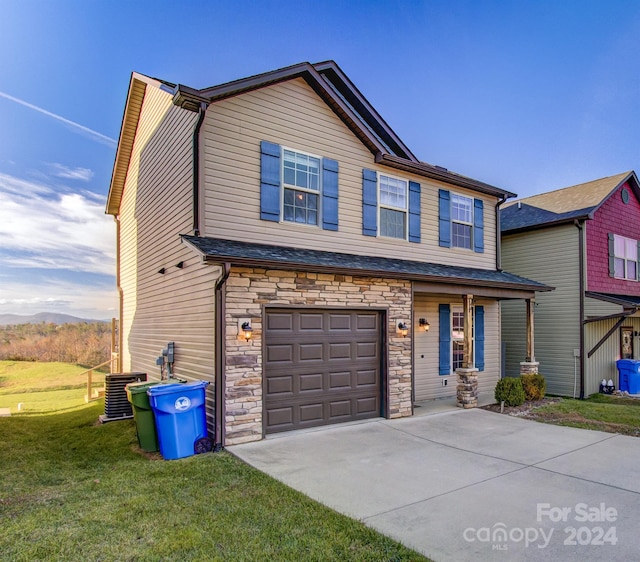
column 453, row 194
column 404, row 210
column 284, row 186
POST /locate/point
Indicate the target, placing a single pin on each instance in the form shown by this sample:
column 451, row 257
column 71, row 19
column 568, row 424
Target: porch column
column 467, row 390
column 530, row 365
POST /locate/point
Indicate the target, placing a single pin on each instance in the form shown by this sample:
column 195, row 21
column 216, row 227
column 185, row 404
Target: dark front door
column 320, row 367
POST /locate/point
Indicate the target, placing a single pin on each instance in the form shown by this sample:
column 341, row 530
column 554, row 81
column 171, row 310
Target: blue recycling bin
column 179, row 412
column 629, row 375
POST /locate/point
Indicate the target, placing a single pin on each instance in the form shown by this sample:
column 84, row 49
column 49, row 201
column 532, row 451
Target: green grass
column 43, row 387
column 73, row 489
column 602, row 412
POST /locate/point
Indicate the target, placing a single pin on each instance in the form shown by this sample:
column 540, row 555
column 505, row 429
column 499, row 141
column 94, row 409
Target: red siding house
column 585, row 241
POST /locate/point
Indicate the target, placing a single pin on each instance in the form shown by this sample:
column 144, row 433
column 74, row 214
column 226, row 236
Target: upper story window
column 296, row 187
column 625, row 258
column 390, row 207
column 393, row 207
column 461, row 221
column 301, row 187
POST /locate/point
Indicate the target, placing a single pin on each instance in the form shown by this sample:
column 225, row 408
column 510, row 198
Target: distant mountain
column 47, row 317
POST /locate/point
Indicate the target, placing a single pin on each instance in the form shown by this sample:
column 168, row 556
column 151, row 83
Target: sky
column 528, row 96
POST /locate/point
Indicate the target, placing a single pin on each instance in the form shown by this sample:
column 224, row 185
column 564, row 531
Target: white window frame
column 404, row 210
column 630, row 246
column 456, row 308
column 284, row 186
column 457, row 221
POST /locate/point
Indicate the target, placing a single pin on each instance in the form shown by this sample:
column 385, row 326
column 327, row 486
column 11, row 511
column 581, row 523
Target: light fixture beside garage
column 403, row 330
column 244, row 329
column 424, row 324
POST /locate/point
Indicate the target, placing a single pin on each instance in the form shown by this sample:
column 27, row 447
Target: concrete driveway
column 471, row 484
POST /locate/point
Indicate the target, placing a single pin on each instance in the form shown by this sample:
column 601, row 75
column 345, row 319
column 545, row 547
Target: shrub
column 535, row 386
column 510, row 391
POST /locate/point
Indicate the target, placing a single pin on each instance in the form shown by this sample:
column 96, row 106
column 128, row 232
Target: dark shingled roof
column 526, row 216
column 626, row 301
column 279, row 257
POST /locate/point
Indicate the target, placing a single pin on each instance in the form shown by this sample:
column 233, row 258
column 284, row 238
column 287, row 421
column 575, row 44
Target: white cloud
column 42, row 228
column 77, row 299
column 95, row 135
column 61, row 171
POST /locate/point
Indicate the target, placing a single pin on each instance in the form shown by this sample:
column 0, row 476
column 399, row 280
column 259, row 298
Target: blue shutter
column 369, row 203
column 445, row 339
column 444, row 203
column 479, row 337
column 612, row 259
column 478, row 226
column 329, row 194
column 269, row 181
column 414, row 211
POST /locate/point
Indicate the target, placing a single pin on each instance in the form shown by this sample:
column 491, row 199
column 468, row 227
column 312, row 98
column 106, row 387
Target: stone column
column 529, row 367
column 467, row 394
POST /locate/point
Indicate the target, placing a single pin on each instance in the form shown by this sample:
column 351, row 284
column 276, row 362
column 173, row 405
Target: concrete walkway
column 471, row 484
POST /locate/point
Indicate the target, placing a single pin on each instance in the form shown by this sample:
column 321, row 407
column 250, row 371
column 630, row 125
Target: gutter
column 499, row 234
column 116, row 218
column 196, row 168
column 579, row 225
column 220, row 335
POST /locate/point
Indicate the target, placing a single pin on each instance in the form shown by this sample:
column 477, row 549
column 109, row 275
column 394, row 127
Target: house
column 585, row 241
column 299, row 256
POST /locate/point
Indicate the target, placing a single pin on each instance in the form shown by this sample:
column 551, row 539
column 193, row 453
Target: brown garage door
column 321, row 367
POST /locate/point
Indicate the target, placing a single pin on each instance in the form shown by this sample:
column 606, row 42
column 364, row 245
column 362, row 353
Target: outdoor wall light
column 424, row 325
column 246, row 330
column 402, row 329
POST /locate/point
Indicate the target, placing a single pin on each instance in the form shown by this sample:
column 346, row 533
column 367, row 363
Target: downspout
column 219, row 360
column 580, row 228
column 499, row 235
column 120, row 295
column 196, row 169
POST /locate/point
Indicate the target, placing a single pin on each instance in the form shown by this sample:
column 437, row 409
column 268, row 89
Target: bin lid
column 139, row 387
column 159, row 390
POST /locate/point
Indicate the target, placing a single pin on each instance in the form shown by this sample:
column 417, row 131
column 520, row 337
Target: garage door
column 321, row 367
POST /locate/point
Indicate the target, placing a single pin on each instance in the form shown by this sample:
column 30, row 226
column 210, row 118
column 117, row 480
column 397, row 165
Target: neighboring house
column 585, row 241
column 283, row 202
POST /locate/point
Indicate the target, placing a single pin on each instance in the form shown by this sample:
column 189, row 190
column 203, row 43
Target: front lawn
column 614, row 414
column 72, row 489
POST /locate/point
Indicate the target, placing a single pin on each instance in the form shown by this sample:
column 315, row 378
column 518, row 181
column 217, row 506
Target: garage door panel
column 311, row 321
column 280, row 353
column 311, row 382
column 310, row 352
column 280, row 322
column 367, row 322
column 321, row 367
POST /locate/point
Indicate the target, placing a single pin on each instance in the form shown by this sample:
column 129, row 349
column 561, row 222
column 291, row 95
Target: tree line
column 82, row 343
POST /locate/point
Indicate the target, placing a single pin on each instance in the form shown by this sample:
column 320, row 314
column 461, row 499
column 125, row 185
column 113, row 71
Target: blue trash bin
column 629, row 375
column 179, row 411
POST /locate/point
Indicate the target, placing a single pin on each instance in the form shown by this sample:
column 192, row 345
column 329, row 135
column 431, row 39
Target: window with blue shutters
column 460, row 221
column 451, row 334
column 298, row 187
column 390, row 206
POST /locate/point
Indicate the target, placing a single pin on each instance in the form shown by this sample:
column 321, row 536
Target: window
column 461, row 221
column 301, row 185
column 625, row 257
column 457, row 339
column 393, row 207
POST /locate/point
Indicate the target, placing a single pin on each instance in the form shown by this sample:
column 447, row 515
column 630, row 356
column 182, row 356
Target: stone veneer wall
column 248, row 289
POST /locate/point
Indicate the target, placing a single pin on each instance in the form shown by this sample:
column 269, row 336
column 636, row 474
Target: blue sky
column 528, row 96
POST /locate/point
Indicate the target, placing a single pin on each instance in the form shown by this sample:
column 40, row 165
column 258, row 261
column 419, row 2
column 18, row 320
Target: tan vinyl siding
column 551, row 256
column 594, row 308
column 602, row 364
column 427, row 381
column 292, row 115
column 156, row 208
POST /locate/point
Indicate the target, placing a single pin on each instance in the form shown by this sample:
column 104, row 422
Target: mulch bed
column 522, row 410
